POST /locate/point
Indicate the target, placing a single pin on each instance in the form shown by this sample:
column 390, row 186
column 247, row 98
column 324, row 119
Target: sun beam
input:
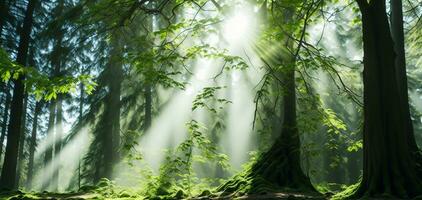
column 238, row 27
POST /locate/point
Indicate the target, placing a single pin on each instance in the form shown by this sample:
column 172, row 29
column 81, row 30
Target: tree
column 48, row 155
column 21, row 152
column 280, row 166
column 8, row 173
column 3, row 13
column 112, row 108
column 389, row 166
column 397, row 34
column 5, row 119
column 33, row 143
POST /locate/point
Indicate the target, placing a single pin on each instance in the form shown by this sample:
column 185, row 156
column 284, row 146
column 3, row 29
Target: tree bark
column 8, row 173
column 5, row 119
column 148, row 107
column 388, row 166
column 57, row 63
column 58, row 144
column 397, row 34
column 50, row 135
column 112, row 113
column 81, row 109
column 279, row 168
column 3, row 13
column 33, row 144
column 22, row 139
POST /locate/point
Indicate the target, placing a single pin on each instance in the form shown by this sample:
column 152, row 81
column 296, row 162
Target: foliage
column 156, row 46
column 208, row 94
column 39, row 84
column 176, row 175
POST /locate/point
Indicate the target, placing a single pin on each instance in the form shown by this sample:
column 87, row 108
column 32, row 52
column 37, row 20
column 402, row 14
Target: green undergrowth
column 248, row 183
column 105, row 189
column 239, row 186
column 330, row 189
column 346, row 193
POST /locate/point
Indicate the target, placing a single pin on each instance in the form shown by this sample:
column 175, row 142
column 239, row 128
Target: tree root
column 274, row 171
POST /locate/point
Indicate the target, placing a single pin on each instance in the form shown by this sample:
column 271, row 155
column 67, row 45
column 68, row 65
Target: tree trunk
column 280, row 166
column 3, row 13
column 22, row 139
column 81, row 108
column 112, row 113
column 397, row 33
column 57, row 63
column 58, row 144
column 50, row 135
column 5, row 118
column 33, row 144
column 285, row 169
column 8, row 173
column 148, row 107
column 388, row 165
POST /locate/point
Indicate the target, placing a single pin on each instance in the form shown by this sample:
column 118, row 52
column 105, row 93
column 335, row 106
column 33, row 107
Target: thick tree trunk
column 8, row 173
column 287, row 172
column 112, row 113
column 280, row 166
column 389, row 167
column 22, row 143
column 33, row 144
column 5, row 119
column 397, row 33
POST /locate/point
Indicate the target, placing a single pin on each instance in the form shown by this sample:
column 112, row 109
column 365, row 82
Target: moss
column 124, row 194
column 180, row 194
column 347, row 193
column 24, row 197
column 161, row 191
column 87, row 188
column 249, row 183
column 205, row 193
column 104, row 183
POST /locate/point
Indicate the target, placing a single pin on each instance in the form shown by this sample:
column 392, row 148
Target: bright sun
column 237, row 27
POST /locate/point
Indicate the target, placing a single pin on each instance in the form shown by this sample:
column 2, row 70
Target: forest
column 210, row 99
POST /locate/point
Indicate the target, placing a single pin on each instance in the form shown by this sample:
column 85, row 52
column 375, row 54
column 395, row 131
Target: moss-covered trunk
column 279, row 167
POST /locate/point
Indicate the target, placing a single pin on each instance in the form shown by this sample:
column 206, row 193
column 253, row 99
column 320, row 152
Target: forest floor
column 125, row 196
